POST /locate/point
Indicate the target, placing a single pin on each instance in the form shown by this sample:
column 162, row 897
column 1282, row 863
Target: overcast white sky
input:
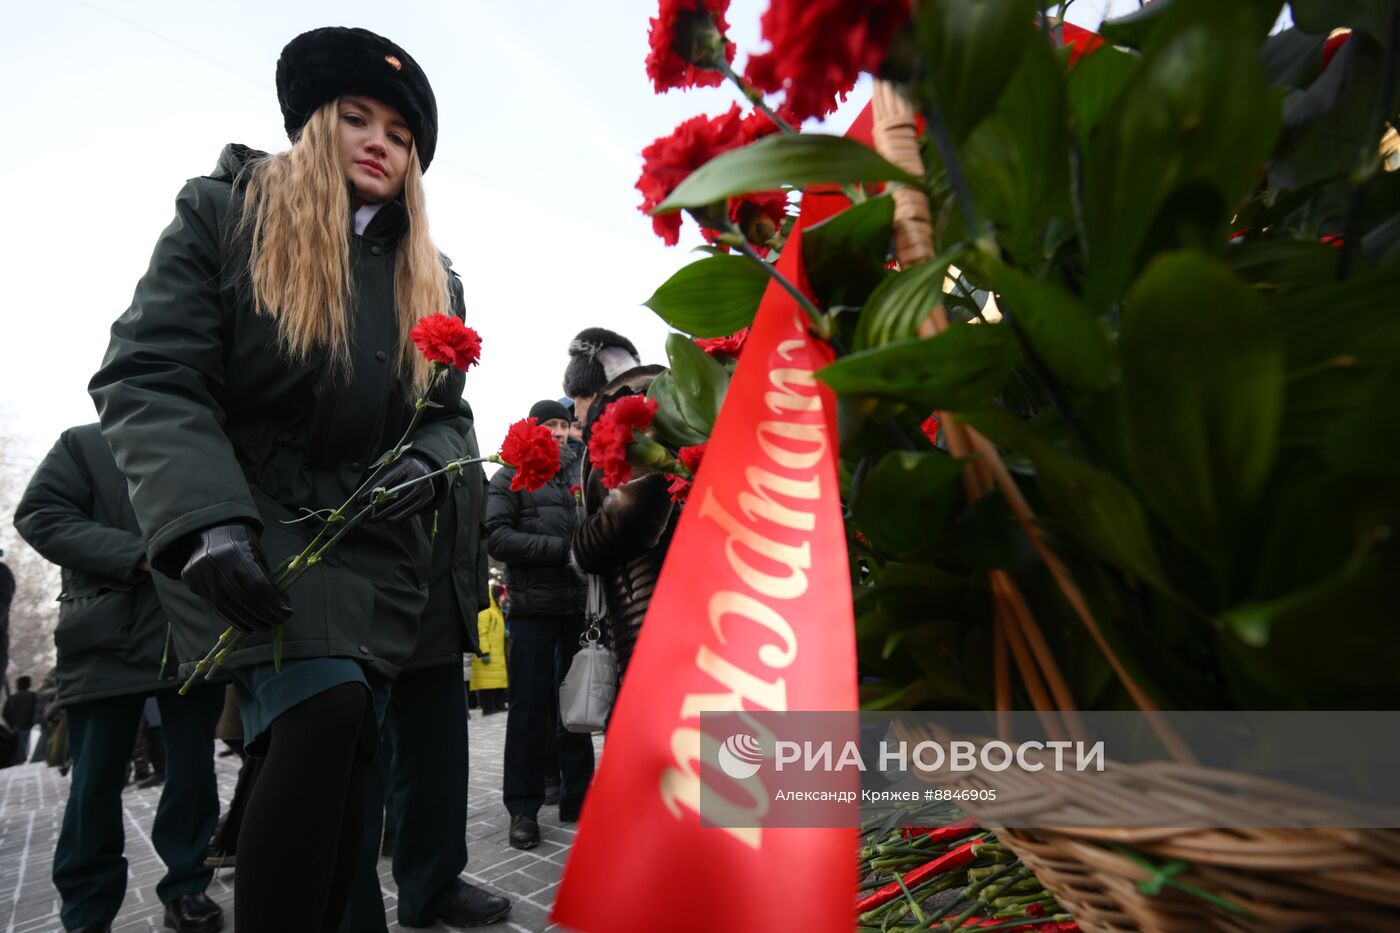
column 544, row 108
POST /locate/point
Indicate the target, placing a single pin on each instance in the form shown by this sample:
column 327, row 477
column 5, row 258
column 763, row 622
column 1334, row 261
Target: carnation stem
column 391, row 456
column 852, row 193
column 310, row 555
column 451, row 466
column 820, row 322
column 753, row 96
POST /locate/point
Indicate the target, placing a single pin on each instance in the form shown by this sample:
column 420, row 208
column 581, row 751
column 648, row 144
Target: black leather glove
column 410, row 501
column 227, row 570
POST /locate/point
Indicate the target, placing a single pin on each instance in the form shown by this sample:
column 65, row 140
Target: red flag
column 752, row 611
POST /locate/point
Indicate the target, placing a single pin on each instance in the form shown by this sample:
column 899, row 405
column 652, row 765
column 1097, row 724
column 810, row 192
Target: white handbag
column 589, row 688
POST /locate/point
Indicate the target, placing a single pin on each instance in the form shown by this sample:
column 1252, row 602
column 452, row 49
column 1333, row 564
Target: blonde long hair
column 296, row 217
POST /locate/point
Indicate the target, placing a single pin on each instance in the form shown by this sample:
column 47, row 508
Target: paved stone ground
column 31, row 809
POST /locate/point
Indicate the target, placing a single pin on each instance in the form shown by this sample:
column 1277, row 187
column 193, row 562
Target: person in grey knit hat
column 597, row 356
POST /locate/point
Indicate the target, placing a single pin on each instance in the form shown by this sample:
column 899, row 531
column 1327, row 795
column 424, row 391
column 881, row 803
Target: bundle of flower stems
column 951, row 877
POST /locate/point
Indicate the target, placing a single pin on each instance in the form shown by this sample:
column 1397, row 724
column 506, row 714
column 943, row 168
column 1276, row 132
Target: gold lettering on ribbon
column 793, row 442
column 680, row 787
column 728, row 603
column 795, row 559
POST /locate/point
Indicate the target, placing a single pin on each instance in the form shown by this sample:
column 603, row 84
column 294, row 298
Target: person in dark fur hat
column 242, row 391
column 596, row 357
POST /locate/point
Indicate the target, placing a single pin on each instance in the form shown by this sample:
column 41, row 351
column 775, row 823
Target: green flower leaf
column 700, row 381
column 783, row 160
column 668, row 421
column 902, row 302
column 711, row 298
column 1093, row 506
column 972, row 48
column 1188, row 133
column 1203, row 391
column 1063, row 331
column 962, row 368
column 905, row 497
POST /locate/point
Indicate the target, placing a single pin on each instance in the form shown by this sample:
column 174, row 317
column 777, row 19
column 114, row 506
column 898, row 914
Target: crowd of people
column 262, row 370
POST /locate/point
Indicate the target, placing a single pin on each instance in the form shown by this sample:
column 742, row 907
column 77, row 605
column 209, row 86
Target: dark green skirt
column 265, row 693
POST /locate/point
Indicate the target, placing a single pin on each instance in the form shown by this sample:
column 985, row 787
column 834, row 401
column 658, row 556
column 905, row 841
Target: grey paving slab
column 32, row 798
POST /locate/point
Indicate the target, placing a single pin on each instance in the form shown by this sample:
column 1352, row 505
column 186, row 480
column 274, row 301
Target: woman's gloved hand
column 227, row 570
column 410, row 501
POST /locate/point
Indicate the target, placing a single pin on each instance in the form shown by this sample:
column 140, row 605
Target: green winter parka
column 111, row 631
column 457, row 588
column 212, row 423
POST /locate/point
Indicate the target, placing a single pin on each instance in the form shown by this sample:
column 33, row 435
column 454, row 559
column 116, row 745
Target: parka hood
column 233, row 159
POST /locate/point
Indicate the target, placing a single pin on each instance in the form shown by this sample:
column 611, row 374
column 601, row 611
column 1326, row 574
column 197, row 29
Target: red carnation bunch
column 690, row 457
column 443, row 338
column 732, row 345
column 930, row 427
column 670, row 160
column 820, row 47
column 530, row 448
column 612, row 433
column 681, row 38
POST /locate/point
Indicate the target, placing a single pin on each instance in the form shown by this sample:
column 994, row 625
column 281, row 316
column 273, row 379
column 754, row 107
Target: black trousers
column 89, row 869
column 541, row 648
column 419, row 783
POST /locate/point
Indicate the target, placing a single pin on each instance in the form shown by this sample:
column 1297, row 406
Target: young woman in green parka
column 263, row 367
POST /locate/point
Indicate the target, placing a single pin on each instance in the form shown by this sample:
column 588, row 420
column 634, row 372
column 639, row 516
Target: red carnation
column 443, row 338
column 930, row 427
column 690, row 457
column 758, row 216
column 1080, row 41
column 732, row 345
column 820, row 47
column 612, row 432
column 670, row 160
column 680, row 39
column 530, row 448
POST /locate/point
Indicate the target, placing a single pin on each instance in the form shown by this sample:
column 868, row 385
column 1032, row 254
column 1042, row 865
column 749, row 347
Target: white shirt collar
column 364, row 215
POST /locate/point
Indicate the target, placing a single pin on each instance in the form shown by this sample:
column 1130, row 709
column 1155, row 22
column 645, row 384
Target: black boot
column 194, row 913
column 524, row 832
column 473, row 907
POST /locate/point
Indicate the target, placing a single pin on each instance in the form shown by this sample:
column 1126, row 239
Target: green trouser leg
column 189, row 803
column 89, row 870
column 428, row 726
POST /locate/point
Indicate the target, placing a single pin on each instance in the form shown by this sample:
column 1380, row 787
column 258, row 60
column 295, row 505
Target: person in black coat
column 418, row 787
column 531, row 533
column 19, row 714
column 112, row 659
column 7, row 595
column 265, row 365
column 625, row 532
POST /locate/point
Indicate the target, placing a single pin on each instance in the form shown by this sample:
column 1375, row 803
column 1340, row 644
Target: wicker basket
column 1275, row 879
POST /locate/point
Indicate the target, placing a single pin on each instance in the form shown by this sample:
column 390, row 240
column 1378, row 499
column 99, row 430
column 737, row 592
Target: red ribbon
column 752, row 610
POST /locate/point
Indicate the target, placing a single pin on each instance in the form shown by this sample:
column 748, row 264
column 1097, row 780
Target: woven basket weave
column 1282, row 879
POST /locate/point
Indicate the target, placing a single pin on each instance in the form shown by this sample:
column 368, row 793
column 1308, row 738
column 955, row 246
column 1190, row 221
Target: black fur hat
column 596, row 357
column 318, row 66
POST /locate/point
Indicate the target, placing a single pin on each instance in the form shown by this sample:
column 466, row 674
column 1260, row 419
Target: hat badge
column 398, row 65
